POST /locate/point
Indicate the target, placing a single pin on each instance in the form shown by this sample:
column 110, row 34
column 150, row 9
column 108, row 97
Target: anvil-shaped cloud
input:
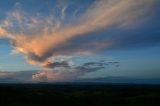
column 41, row 39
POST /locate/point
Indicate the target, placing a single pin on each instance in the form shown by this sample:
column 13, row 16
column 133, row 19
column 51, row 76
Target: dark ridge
column 79, row 94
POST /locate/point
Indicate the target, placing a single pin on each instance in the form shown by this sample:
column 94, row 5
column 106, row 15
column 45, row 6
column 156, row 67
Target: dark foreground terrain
column 79, row 95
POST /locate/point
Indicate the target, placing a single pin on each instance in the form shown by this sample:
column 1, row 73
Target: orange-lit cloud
column 41, row 39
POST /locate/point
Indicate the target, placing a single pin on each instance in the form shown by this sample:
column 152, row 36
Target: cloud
column 25, row 77
column 42, row 38
column 57, row 64
column 62, row 71
column 39, row 39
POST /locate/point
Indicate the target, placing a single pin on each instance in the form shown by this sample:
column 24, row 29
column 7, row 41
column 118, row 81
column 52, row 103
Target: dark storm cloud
column 99, row 63
column 94, row 66
column 87, row 65
column 57, row 64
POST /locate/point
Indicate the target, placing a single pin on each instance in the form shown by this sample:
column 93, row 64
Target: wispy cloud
column 43, row 38
column 38, row 38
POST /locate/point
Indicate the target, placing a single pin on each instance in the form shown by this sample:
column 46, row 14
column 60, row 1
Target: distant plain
column 79, row 94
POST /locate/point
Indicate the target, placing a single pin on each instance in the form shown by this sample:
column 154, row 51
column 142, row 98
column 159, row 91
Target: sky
column 74, row 40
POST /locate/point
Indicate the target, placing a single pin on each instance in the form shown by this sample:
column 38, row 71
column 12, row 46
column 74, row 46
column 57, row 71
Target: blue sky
column 70, row 40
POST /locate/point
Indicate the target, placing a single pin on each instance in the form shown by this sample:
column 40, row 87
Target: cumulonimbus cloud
column 41, row 39
column 38, row 39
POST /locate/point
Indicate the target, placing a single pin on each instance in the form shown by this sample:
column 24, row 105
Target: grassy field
column 79, row 95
